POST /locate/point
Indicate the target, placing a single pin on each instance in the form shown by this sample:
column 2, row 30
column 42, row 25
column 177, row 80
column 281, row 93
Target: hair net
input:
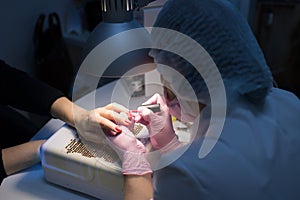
column 226, row 36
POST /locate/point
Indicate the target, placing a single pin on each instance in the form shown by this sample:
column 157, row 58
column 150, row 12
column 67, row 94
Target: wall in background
column 17, row 21
column 277, row 30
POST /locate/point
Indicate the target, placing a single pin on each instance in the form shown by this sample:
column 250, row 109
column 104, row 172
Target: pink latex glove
column 131, row 151
column 159, row 124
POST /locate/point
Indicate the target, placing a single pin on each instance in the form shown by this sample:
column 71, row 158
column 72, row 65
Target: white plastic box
column 66, row 162
column 94, row 171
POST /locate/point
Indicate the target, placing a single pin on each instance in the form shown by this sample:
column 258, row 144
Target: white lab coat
column 256, row 157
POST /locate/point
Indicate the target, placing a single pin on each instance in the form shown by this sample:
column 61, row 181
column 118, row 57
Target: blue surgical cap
column 226, row 36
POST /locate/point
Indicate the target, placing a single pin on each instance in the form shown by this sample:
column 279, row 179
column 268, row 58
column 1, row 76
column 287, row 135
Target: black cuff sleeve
column 24, row 92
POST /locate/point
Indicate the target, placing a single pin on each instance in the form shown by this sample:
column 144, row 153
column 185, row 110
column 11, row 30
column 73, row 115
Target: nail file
column 154, row 107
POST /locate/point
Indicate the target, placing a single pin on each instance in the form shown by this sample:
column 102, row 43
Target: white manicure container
column 67, row 163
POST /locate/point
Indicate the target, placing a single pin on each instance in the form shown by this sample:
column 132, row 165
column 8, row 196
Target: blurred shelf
column 75, row 39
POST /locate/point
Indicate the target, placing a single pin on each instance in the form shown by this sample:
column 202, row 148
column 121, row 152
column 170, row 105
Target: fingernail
column 129, row 113
column 118, row 129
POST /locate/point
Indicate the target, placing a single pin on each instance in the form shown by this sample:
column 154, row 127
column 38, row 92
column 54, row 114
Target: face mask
column 185, row 111
column 174, row 108
column 189, row 110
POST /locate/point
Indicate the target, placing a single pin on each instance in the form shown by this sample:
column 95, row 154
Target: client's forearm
column 22, row 156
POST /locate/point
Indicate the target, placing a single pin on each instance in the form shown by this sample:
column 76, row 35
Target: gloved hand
column 91, row 124
column 131, row 151
column 159, row 124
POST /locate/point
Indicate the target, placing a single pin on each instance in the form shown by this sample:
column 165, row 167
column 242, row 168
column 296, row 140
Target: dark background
column 276, row 25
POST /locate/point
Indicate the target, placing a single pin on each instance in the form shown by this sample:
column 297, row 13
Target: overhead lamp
column 117, row 17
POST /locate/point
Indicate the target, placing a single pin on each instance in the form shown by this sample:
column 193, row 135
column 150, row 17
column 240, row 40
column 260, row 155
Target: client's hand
column 91, row 124
column 131, row 151
column 159, row 124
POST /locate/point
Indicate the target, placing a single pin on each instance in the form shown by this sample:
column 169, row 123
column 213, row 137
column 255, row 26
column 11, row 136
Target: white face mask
column 183, row 110
column 174, row 108
column 189, row 110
